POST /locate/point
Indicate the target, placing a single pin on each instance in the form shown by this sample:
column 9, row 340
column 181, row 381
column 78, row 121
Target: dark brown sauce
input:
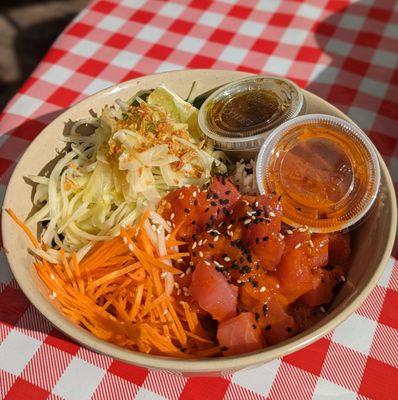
column 246, row 110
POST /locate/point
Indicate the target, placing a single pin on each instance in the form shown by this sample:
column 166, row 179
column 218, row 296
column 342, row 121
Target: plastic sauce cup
column 240, row 115
column 325, row 169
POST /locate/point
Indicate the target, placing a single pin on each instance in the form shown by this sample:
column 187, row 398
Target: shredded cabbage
column 137, row 152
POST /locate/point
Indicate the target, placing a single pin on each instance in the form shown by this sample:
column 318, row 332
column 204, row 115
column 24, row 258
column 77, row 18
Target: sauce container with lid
column 240, row 115
column 325, row 169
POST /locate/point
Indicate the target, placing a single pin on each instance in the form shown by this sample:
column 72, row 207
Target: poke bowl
column 371, row 244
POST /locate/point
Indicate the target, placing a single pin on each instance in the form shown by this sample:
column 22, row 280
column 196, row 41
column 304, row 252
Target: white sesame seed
column 201, row 254
column 131, row 247
column 168, row 236
column 229, row 226
column 302, row 230
column 165, row 311
column 53, row 295
column 271, row 214
column 322, row 309
column 125, row 240
column 281, row 236
column 172, row 216
column 182, row 275
column 185, row 289
column 163, row 275
column 204, row 241
column 153, row 228
column 194, row 245
column 200, row 242
column 247, row 221
column 186, row 294
column 262, row 289
column 256, row 203
column 342, row 277
column 216, row 238
column 245, row 202
column 297, row 245
column 238, row 281
column 194, row 194
column 189, row 270
column 289, row 232
column 178, row 292
column 227, row 259
column 52, row 277
column 207, row 263
column 176, row 285
column 311, row 243
column 179, row 261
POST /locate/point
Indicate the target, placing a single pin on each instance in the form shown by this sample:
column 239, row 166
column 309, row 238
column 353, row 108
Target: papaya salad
column 153, row 240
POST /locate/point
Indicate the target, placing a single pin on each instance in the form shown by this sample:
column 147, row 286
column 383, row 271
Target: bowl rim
column 208, row 365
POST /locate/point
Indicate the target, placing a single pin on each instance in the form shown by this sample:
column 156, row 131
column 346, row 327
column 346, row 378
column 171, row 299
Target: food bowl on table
column 372, row 241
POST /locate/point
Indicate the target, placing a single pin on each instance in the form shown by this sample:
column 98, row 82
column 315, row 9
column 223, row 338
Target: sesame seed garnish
column 165, row 311
column 342, row 277
column 322, row 309
column 207, row 263
column 201, row 254
column 227, row 259
column 256, row 203
column 289, row 232
column 245, row 202
column 271, row 214
column 178, row 292
column 172, row 216
column 281, row 236
column 262, row 289
column 125, row 240
column 53, row 295
column 163, row 275
column 216, row 238
column 311, row 243
column 194, row 245
column 176, row 285
column 153, row 228
column 238, row 281
column 200, row 242
column 297, row 245
column 194, row 194
column 247, row 221
column 52, row 277
column 131, row 247
column 186, row 210
column 302, row 230
column 229, row 226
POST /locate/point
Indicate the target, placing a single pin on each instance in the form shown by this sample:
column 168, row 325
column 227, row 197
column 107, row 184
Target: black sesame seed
column 256, row 316
column 215, row 196
column 211, row 245
column 268, row 327
column 255, row 284
column 254, row 326
column 183, row 349
column 265, row 238
column 195, row 202
column 225, row 348
column 186, row 210
column 257, row 240
column 207, row 209
column 290, row 330
column 265, row 310
column 228, row 192
column 213, row 203
column 208, row 196
column 193, row 222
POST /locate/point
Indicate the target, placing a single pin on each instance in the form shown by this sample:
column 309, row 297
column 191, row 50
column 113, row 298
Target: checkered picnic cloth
column 344, row 51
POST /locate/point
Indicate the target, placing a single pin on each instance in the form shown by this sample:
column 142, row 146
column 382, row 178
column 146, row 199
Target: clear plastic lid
column 325, row 169
column 241, row 114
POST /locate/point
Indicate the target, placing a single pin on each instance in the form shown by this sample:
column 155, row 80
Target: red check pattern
column 345, row 51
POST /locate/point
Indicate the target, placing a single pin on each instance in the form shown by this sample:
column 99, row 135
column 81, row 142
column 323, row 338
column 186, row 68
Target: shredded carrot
column 28, row 232
column 116, row 292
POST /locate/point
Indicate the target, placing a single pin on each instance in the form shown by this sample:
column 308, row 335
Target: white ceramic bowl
column 372, row 244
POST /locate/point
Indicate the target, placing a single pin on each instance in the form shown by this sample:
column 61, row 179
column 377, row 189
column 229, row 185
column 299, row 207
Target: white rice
column 244, row 178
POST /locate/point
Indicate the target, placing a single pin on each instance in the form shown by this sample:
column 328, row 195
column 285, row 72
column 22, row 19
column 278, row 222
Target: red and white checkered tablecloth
column 344, row 51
